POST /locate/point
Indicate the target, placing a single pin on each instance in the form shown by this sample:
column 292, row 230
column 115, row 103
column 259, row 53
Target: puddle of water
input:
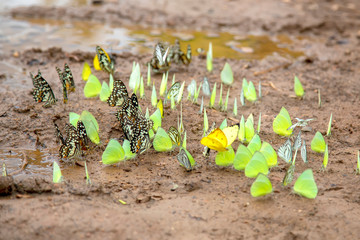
column 19, row 34
column 4, row 5
column 39, row 162
column 224, row 44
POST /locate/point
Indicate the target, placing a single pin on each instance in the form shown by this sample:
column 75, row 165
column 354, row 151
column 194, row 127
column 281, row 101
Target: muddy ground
column 210, row 202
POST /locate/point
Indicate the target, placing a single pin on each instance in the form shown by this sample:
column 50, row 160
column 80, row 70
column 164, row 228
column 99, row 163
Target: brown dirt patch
column 210, row 202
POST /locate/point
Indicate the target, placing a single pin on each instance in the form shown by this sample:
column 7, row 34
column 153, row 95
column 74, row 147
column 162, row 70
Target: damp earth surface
column 268, row 43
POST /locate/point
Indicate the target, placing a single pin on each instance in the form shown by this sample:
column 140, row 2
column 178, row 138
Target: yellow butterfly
column 102, row 61
column 219, row 139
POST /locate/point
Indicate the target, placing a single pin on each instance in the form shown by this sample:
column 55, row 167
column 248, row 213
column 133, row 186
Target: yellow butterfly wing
column 216, row 140
column 96, row 60
column 231, row 133
column 96, row 63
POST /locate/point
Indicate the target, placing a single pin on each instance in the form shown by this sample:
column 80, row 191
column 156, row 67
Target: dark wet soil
column 163, row 200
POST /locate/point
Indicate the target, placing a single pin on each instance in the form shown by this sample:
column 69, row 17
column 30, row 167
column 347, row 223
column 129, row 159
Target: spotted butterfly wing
column 38, row 80
column 68, row 76
column 58, row 135
column 118, row 95
column 174, row 135
column 64, row 84
column 184, row 160
column 83, row 137
column 42, row 91
column 71, row 148
column 132, row 110
column 104, row 60
column 186, row 59
column 125, row 122
column 129, row 115
column 175, row 52
column 141, row 140
column 285, row 151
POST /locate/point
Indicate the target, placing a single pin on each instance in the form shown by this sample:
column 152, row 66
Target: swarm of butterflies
column 132, row 121
column 134, row 124
column 162, row 58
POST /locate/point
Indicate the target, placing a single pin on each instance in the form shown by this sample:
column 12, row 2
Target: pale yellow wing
column 231, row 133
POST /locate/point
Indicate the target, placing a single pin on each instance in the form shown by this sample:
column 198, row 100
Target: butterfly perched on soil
column 140, row 141
column 176, row 54
column 285, row 151
column 289, row 175
column 67, row 80
column 219, row 139
column 76, row 140
column 160, row 61
column 174, row 91
column 119, row 94
column 106, row 63
column 83, row 137
column 206, row 151
column 297, row 142
column 129, row 113
column 303, row 152
column 71, row 148
column 300, row 123
column 134, row 125
column 184, row 160
column 67, row 76
column 58, row 134
column 42, row 91
column 174, row 135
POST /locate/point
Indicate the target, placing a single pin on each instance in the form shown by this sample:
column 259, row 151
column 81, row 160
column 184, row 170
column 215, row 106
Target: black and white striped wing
column 184, row 160
column 285, row 151
column 303, row 152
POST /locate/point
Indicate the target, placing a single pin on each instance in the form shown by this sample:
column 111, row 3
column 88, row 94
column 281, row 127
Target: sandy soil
column 210, row 202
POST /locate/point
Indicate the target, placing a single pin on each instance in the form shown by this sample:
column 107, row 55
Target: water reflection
column 20, row 33
column 39, row 162
column 5, row 5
